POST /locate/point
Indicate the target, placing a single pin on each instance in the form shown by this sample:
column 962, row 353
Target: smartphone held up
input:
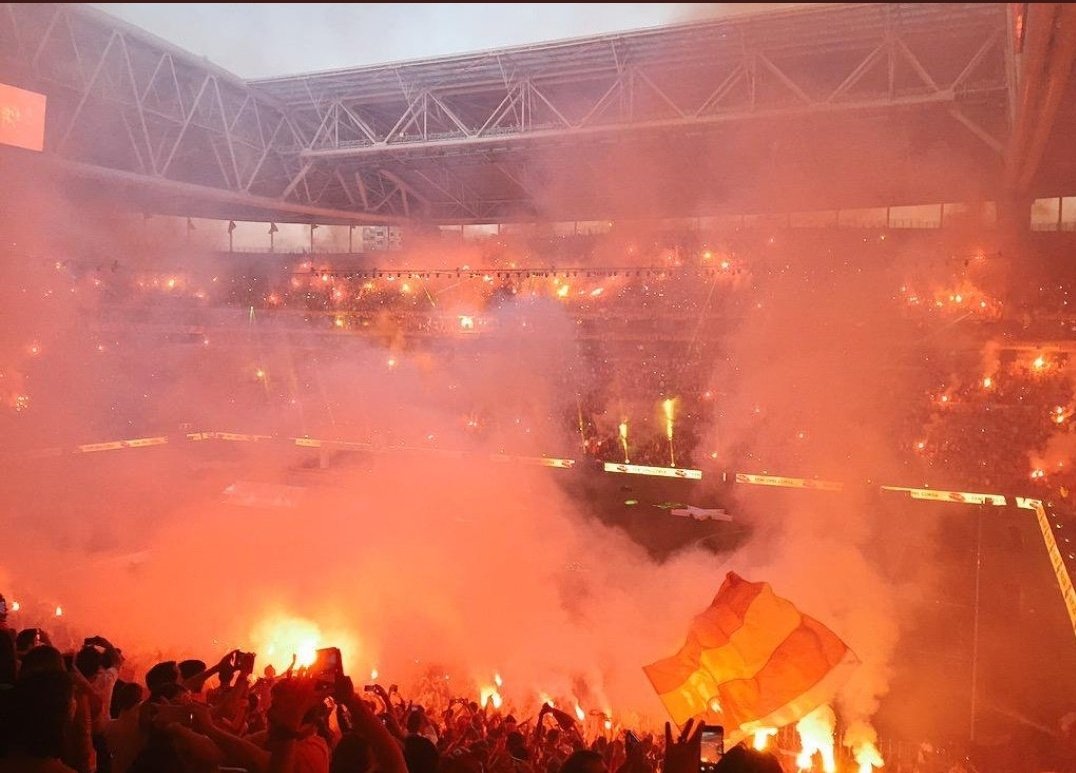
column 327, row 668
column 711, row 747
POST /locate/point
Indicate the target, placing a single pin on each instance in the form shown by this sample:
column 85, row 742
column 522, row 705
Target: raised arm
column 236, row 750
column 385, row 749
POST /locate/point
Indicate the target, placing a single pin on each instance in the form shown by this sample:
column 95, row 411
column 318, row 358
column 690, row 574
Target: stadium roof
column 824, row 106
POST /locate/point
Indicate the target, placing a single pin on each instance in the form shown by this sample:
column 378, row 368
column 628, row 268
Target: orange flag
column 22, row 118
column 751, row 660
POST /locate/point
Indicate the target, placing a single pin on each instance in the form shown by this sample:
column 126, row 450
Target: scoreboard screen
column 22, row 118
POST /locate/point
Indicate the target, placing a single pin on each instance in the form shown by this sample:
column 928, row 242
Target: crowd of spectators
column 628, row 339
column 91, row 709
column 85, row 711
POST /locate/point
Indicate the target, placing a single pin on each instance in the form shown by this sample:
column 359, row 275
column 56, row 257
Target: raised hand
column 344, row 691
column 292, row 699
column 225, row 663
column 682, row 754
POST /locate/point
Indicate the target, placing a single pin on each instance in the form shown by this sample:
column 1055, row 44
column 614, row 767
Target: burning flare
column 762, row 737
column 488, row 695
column 278, row 637
column 816, row 737
column 868, row 758
column 623, row 429
column 861, row 738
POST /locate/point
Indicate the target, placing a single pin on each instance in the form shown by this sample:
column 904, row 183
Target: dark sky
column 257, row 40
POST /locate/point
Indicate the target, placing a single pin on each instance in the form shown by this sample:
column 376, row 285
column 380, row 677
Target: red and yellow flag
column 751, row 659
column 22, row 118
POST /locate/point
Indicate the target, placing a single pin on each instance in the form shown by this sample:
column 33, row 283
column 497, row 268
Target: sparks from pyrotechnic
column 1039, row 363
column 668, row 406
column 988, row 382
column 582, row 430
column 373, row 674
column 15, row 606
column 563, row 290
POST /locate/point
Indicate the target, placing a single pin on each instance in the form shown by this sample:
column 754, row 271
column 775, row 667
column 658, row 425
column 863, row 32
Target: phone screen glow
column 712, row 747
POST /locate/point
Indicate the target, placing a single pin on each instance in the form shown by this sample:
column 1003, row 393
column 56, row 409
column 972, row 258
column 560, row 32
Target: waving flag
column 751, row 660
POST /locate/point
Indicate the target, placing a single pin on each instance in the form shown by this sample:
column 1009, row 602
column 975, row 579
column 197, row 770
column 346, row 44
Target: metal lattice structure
column 479, row 137
column 130, row 108
column 673, row 121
